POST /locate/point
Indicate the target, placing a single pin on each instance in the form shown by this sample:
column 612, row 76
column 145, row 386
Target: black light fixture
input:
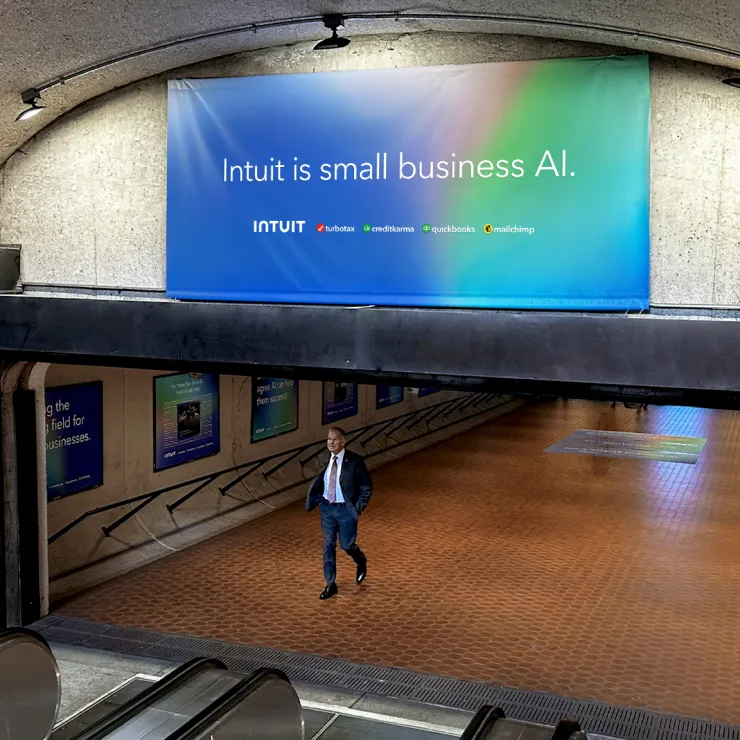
column 732, row 81
column 31, row 98
column 333, row 22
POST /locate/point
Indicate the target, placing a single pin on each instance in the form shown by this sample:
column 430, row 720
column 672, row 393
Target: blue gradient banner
column 507, row 185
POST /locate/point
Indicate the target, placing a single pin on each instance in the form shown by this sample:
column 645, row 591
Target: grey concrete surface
column 85, row 34
column 89, row 674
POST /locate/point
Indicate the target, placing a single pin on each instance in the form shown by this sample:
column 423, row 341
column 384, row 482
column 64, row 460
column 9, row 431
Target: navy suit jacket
column 354, row 480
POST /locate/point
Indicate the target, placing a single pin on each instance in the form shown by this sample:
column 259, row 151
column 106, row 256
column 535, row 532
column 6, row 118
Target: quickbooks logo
column 273, row 227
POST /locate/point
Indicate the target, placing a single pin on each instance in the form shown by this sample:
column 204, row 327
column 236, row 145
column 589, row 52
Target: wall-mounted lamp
column 31, row 98
column 333, row 22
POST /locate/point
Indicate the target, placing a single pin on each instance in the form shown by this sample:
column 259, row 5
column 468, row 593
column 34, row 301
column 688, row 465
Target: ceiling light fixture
column 732, row 81
column 333, row 22
column 31, row 98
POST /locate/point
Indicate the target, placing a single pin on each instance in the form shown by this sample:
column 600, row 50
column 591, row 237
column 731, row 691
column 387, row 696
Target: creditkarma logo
column 275, row 227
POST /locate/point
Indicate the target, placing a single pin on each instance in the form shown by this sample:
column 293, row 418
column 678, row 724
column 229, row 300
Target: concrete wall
column 87, row 198
column 85, row 555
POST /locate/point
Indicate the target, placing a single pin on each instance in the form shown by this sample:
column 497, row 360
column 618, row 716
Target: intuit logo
column 273, row 227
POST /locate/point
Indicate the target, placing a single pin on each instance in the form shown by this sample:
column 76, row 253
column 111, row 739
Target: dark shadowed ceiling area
column 46, row 42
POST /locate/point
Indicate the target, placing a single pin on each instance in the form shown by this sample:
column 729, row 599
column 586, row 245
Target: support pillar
column 24, row 548
column 11, row 615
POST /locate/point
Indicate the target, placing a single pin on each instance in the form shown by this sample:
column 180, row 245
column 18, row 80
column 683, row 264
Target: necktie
column 332, row 496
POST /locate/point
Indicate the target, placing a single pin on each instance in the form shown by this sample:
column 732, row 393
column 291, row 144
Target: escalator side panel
column 263, row 706
column 164, row 717
column 210, row 685
column 151, row 723
column 270, row 712
column 159, row 691
column 510, row 729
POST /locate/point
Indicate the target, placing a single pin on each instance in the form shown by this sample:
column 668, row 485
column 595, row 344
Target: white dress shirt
column 327, row 475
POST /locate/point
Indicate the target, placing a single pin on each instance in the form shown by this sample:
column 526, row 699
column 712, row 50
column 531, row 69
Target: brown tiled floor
column 594, row 578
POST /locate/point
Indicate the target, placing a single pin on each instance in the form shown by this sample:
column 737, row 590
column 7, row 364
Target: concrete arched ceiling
column 44, row 41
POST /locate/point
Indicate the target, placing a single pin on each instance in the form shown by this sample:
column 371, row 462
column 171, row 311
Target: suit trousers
column 338, row 520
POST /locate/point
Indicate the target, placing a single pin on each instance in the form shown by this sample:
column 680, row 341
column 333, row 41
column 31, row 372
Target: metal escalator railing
column 30, row 686
column 490, row 723
column 148, row 698
column 482, row 723
column 568, row 729
column 473, row 406
column 263, row 706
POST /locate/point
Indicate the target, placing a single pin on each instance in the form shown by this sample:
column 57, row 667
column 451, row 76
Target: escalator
column 203, row 700
column 164, row 706
column 263, row 706
column 490, row 723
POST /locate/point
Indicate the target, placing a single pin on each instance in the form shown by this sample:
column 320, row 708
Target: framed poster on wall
column 186, row 418
column 339, row 401
column 388, row 395
column 74, row 438
column 274, row 407
column 427, row 391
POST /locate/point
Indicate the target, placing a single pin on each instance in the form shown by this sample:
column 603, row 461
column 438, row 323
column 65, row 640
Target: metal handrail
column 482, row 723
column 203, row 481
column 149, row 697
column 197, row 727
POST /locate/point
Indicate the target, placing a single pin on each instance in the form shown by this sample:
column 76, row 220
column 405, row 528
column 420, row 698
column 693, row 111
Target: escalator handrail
column 482, row 723
column 154, row 693
column 9, row 633
column 204, row 720
column 568, row 729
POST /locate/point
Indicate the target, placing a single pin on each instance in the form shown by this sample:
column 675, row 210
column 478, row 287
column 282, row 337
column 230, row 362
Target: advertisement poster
column 186, row 418
column 339, row 401
column 274, row 407
column 497, row 185
column 388, row 395
column 427, row 391
column 74, row 439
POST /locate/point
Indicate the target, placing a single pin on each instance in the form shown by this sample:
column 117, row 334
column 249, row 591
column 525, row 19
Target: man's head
column 336, row 440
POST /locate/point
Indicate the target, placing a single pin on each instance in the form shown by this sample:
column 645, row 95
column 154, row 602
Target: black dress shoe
column 361, row 570
column 329, row 591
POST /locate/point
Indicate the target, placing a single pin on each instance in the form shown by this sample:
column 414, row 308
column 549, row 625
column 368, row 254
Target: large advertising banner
column 74, row 439
column 388, row 395
column 504, row 185
column 339, row 401
column 274, row 407
column 186, row 418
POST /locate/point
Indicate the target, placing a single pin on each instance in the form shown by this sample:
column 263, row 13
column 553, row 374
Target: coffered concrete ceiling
column 43, row 41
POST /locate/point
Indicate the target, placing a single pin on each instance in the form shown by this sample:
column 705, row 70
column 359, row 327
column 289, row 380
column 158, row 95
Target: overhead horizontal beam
column 472, row 349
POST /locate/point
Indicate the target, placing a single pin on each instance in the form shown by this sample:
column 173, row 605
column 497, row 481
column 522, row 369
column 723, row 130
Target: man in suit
column 342, row 491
